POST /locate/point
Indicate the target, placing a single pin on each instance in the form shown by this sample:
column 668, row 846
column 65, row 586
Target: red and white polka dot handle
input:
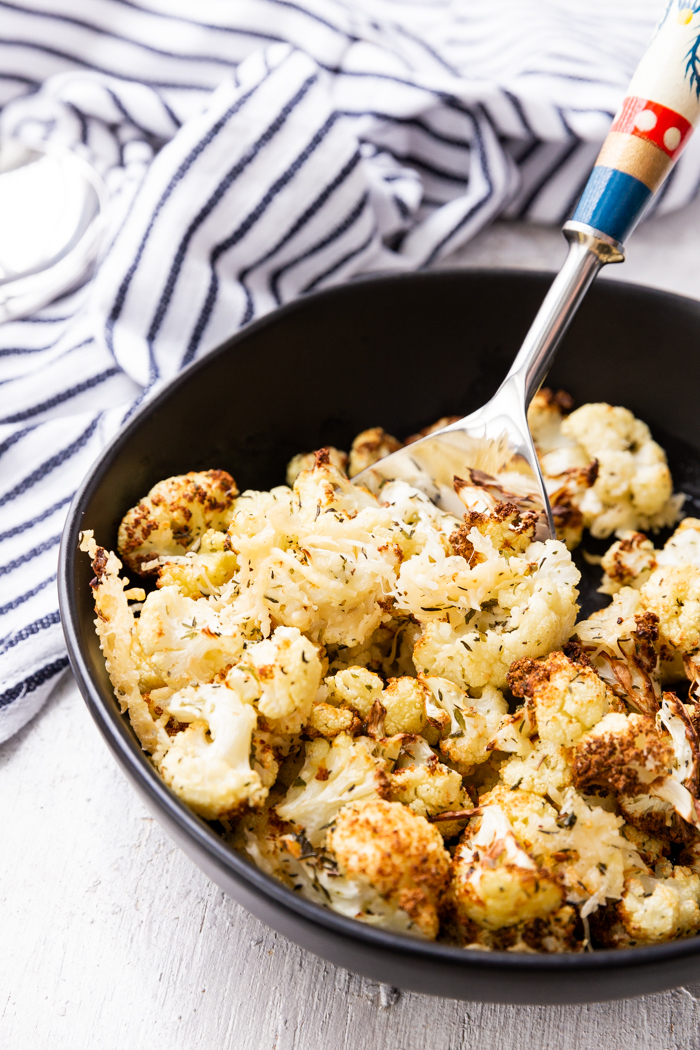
column 651, row 128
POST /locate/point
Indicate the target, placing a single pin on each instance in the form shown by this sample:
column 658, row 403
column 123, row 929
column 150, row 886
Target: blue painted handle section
column 612, row 202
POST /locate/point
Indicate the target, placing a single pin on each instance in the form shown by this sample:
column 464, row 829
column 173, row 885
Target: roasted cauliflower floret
column 332, row 776
column 423, row 783
column 306, row 460
column 546, row 770
column 357, row 687
column 557, row 451
column 683, row 547
column 653, row 910
column 628, row 563
column 201, row 573
column 671, row 910
column 369, row 447
column 622, row 642
column 404, row 701
column 602, row 461
column 651, row 849
column 568, row 696
column 633, row 489
column 622, row 753
column 324, row 560
column 526, row 608
column 417, row 517
column 673, row 594
column 174, row 515
column 495, row 883
column 115, row 625
column 396, row 852
column 594, row 856
column 531, row 817
column 208, row 764
column 289, row 672
column 633, row 756
column 582, row 843
column 372, row 889
column 182, row 640
column 510, row 531
column 328, row 721
column 654, row 816
column 471, row 721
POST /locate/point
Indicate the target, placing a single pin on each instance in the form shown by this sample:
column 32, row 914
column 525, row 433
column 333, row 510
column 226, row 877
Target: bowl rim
column 119, row 736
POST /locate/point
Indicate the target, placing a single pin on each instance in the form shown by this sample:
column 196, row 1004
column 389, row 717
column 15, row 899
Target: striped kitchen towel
column 254, row 151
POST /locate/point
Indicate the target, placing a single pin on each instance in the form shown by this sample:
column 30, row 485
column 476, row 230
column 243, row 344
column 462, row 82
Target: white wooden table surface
column 110, row 939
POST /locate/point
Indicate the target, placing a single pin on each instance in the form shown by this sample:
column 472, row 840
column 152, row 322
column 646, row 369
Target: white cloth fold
column 253, row 152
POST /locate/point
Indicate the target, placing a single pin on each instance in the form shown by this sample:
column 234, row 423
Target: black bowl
column 400, row 352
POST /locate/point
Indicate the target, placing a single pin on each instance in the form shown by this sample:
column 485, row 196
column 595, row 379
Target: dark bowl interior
column 399, row 352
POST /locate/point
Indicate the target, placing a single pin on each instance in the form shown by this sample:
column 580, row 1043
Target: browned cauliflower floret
column 423, row 783
column 622, row 753
column 201, row 573
column 673, row 594
column 208, row 763
column 628, row 563
column 404, row 701
column 568, row 696
column 650, row 848
column 545, row 771
column 181, row 640
column 306, row 460
column 556, row 451
column 288, row 670
column 397, row 853
column 478, row 620
column 115, row 625
column 369, row 447
column 633, row 489
column 602, row 463
column 683, row 547
column 510, row 531
column 174, row 515
column 333, row 775
column 582, row 844
column 344, row 702
column 636, row 757
column 594, row 856
column 495, row 883
column 567, row 469
column 321, row 557
column 668, row 586
column 652, row 910
column 470, row 721
column 622, row 642
column 654, row 816
column 328, row 721
column 357, row 687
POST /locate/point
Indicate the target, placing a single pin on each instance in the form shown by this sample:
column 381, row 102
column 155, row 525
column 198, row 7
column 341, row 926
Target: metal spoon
column 647, row 135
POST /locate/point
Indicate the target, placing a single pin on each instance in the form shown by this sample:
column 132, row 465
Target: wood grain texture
column 112, row 940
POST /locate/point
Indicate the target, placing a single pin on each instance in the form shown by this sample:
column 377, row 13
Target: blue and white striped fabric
column 256, row 150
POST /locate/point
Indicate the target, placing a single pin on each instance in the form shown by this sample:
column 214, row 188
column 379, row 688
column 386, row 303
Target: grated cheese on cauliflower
column 349, row 681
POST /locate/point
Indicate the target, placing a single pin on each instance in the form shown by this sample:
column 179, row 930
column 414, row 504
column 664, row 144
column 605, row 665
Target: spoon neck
column 589, row 250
